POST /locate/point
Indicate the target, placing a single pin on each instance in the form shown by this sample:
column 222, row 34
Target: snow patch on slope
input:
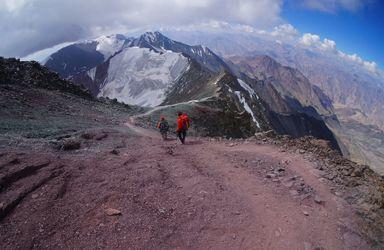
column 246, row 87
column 109, row 45
column 247, row 108
column 149, row 37
column 141, row 77
column 92, row 73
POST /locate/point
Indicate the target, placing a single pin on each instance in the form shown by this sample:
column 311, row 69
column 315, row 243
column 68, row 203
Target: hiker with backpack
column 163, row 126
column 183, row 124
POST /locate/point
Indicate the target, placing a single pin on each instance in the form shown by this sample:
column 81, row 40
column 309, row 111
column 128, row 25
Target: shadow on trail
column 171, row 139
column 193, row 142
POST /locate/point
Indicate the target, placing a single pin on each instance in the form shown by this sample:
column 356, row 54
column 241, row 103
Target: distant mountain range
column 244, row 89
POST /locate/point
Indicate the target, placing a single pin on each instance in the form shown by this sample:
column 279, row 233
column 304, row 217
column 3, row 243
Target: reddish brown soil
column 202, row 195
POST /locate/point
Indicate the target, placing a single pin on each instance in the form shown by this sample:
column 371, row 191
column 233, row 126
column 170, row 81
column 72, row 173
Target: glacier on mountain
column 109, row 45
column 141, row 76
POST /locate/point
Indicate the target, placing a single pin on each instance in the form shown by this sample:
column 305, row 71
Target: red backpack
column 186, row 123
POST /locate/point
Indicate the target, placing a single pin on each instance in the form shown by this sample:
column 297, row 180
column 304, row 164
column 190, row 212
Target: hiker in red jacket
column 183, row 124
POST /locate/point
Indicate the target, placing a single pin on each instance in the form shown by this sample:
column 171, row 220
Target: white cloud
column 313, row 41
column 30, row 25
column 248, row 29
column 309, row 39
column 332, row 6
column 329, row 44
column 371, row 66
column 285, row 30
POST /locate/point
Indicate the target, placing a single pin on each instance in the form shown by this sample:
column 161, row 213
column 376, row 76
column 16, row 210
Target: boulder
column 71, row 145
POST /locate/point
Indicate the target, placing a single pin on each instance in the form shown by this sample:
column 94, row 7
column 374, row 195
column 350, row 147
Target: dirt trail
column 201, row 195
column 279, row 216
column 273, row 214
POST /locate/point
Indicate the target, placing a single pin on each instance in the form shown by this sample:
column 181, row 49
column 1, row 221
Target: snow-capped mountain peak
column 89, row 53
column 154, row 41
column 153, row 36
column 109, row 45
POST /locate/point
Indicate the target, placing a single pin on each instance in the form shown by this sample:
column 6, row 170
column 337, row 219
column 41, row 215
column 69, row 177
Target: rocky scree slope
column 33, row 75
column 37, row 103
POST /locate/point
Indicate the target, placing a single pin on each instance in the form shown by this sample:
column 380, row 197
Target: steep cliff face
column 293, row 105
column 289, row 82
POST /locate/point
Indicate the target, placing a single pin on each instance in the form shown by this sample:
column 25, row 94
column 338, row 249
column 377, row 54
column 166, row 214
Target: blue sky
column 358, row 31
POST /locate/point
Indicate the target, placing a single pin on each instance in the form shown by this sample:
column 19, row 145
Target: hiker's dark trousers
column 182, row 134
